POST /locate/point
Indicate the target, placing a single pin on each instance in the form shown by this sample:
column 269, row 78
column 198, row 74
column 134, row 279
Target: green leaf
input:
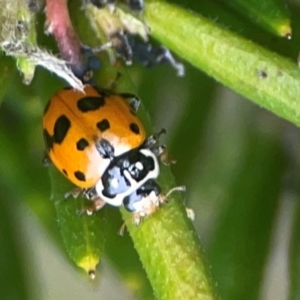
column 190, row 126
column 294, row 259
column 13, row 282
column 29, row 181
column 256, row 73
column 239, row 246
column 271, row 14
column 223, row 15
column 83, row 235
column 170, row 251
column 126, row 263
column 6, row 72
column 18, row 35
column 294, row 246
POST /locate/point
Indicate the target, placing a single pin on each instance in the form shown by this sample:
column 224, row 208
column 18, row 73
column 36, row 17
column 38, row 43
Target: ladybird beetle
column 96, row 140
column 130, row 180
column 83, row 131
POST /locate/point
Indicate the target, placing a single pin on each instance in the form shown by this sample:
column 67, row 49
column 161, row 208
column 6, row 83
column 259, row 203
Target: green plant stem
column 170, row 251
column 260, row 75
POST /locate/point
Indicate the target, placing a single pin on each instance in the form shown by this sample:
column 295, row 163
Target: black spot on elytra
column 79, row 175
column 61, row 128
column 65, row 172
column 82, row 144
column 105, row 149
column 103, row 125
column 134, row 128
column 90, row 103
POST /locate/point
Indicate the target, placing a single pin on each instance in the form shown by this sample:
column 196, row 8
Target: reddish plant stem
column 60, row 26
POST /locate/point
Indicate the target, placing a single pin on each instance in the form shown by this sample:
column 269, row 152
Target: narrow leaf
column 294, row 249
column 170, row 251
column 239, row 248
column 6, row 70
column 17, row 29
column 13, row 275
column 258, row 74
column 83, row 235
column 271, row 14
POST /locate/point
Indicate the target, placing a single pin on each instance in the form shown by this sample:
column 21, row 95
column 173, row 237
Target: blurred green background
column 240, row 165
